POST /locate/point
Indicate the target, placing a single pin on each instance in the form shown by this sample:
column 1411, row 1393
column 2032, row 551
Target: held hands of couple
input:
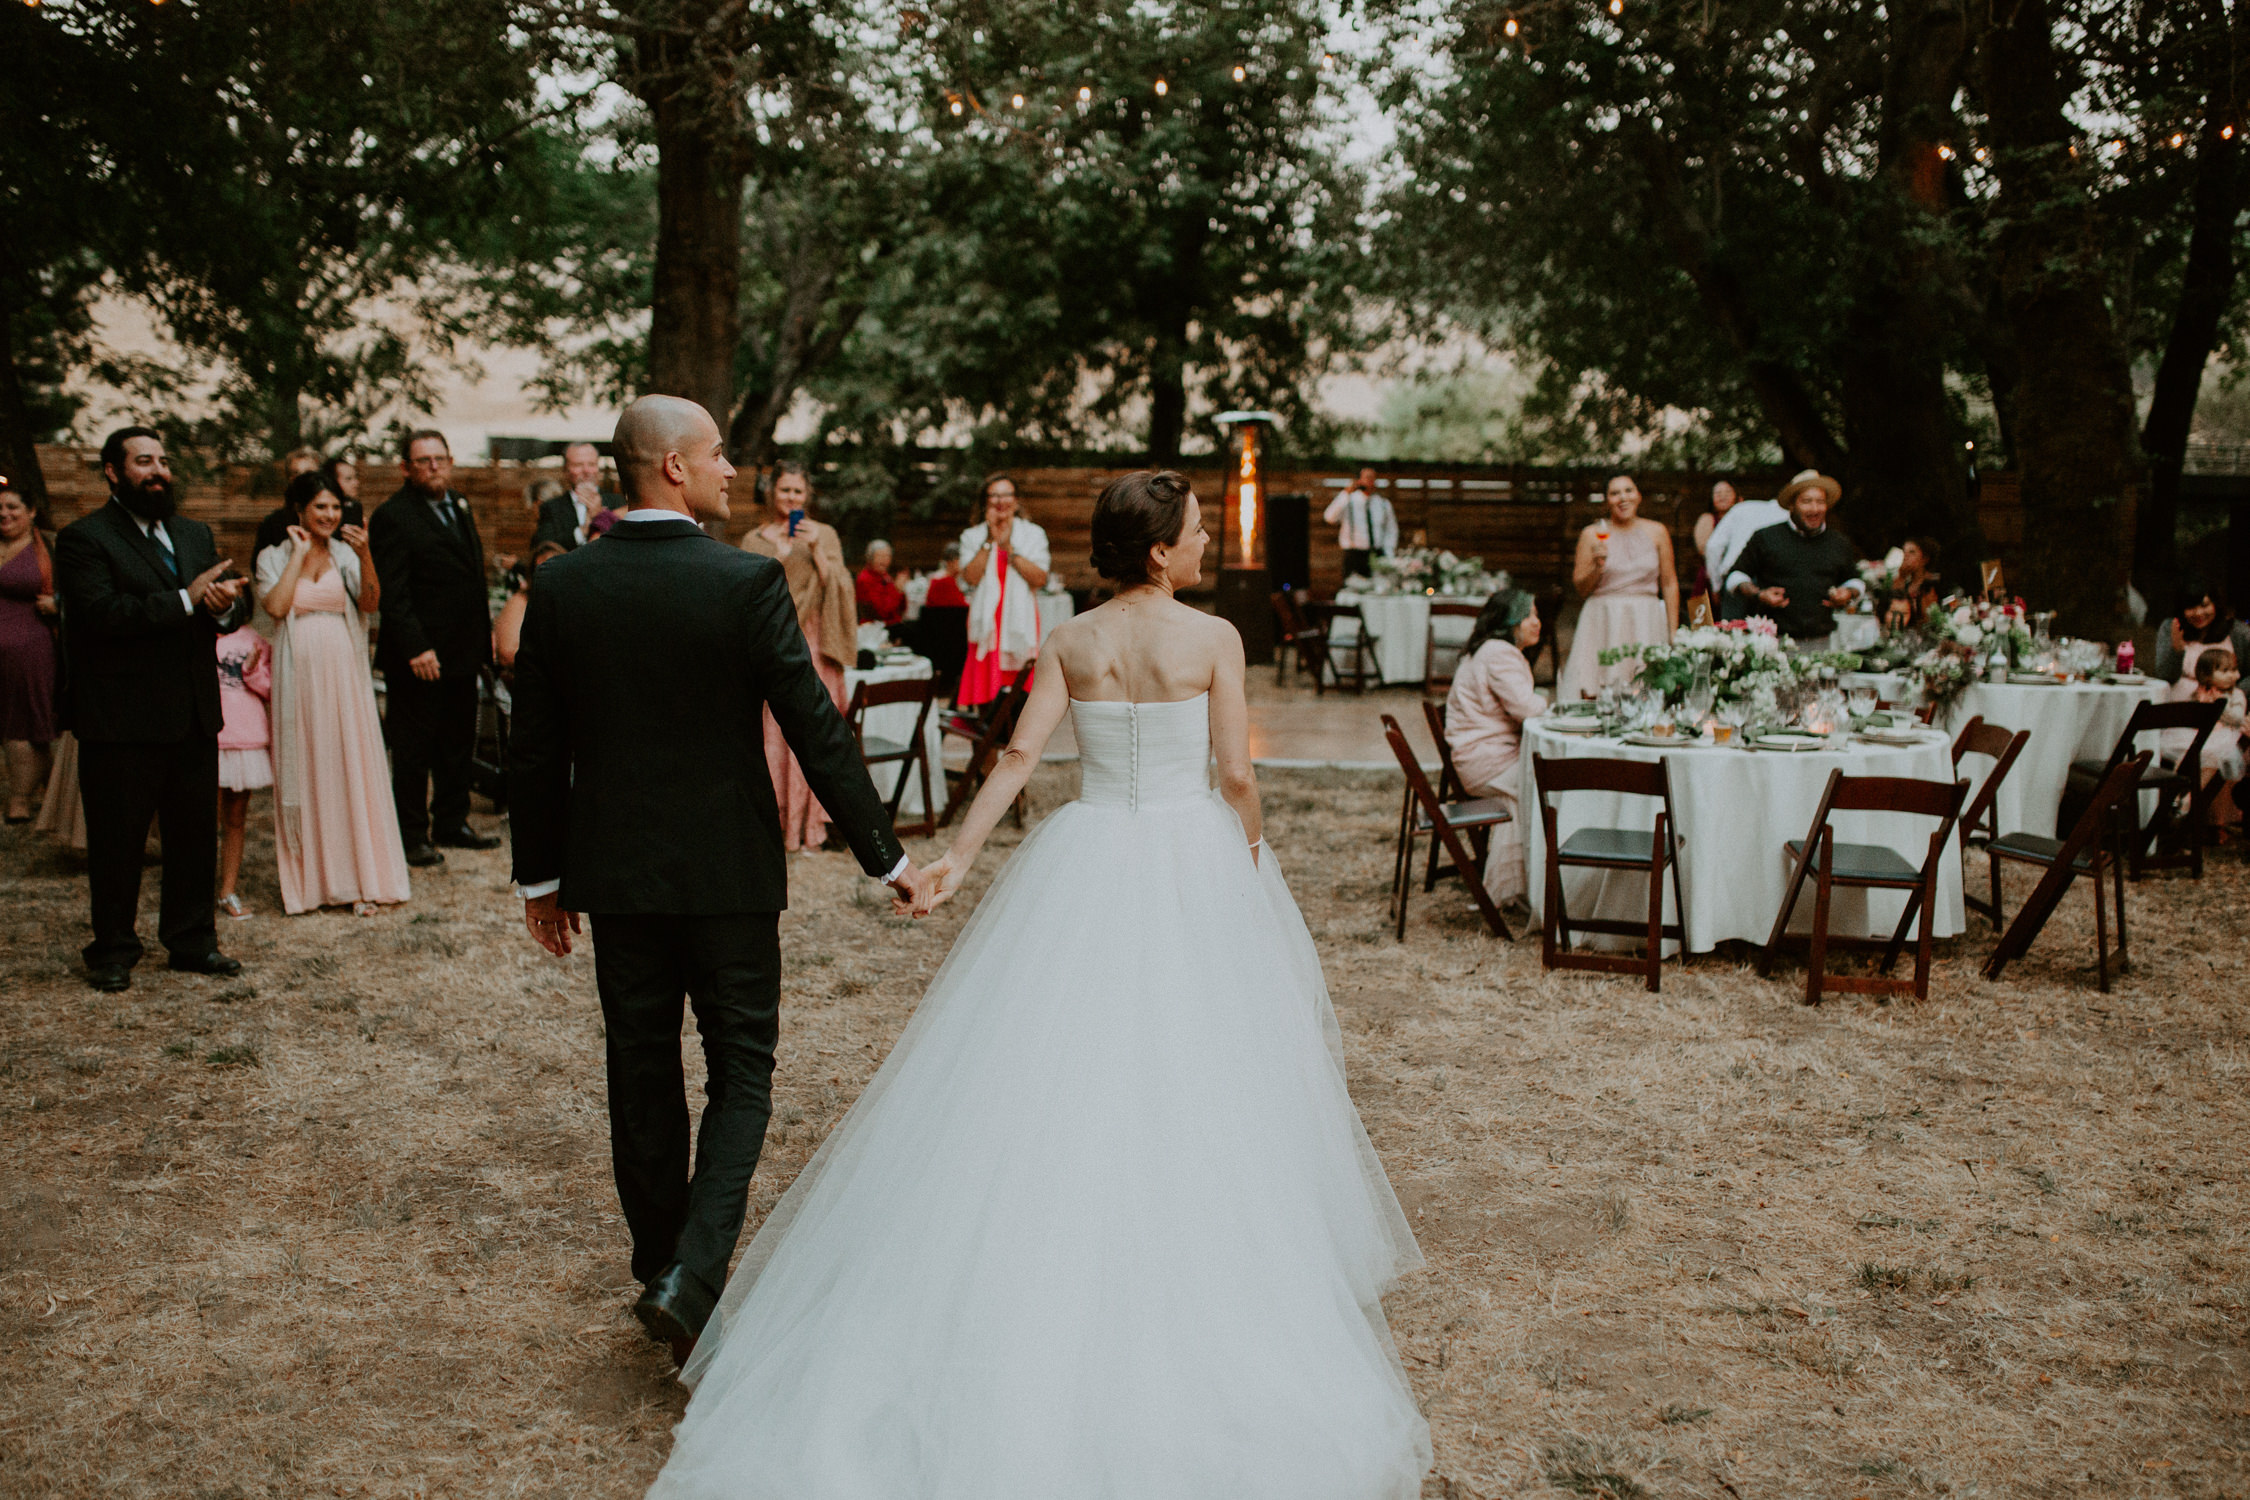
column 549, row 925
column 920, row 892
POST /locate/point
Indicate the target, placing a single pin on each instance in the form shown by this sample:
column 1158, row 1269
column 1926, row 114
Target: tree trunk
column 695, row 312
column 1167, row 398
column 2206, row 287
column 19, row 445
column 2074, row 398
column 1905, row 473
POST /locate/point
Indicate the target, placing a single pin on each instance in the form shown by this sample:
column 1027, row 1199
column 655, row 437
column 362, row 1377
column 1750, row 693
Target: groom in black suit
column 639, row 794
column 144, row 596
column 436, row 640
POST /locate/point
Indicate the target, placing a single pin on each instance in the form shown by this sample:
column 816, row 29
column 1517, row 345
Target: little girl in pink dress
column 245, row 683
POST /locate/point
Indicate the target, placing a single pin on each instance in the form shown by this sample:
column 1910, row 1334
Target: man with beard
column 145, row 594
column 437, row 636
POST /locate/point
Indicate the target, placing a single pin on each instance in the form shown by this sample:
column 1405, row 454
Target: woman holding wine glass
column 1625, row 573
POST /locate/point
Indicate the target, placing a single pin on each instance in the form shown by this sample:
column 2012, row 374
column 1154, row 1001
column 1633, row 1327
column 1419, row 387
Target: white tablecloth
column 1854, row 631
column 895, row 722
column 1401, row 626
column 1736, row 810
column 2080, row 721
column 1054, row 608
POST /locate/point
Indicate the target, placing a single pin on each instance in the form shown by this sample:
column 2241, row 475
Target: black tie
column 171, row 563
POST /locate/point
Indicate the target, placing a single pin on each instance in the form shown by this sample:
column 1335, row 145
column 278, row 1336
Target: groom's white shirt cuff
column 549, row 887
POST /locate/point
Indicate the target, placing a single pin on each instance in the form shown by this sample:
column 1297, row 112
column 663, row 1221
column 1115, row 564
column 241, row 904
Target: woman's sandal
column 232, row 905
column 363, row 908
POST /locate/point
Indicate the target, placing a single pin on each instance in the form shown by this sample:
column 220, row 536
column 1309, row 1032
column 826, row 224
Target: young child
column 2216, row 678
column 245, row 683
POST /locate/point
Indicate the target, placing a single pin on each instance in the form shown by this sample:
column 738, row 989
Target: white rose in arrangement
column 1894, row 559
column 1971, row 635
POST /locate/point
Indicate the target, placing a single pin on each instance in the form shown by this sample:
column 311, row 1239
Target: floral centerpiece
column 1881, row 577
column 1744, row 661
column 1423, row 570
column 1979, row 625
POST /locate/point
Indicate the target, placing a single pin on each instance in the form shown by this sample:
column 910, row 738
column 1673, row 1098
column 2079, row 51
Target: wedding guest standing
column 343, row 477
column 880, row 597
column 437, row 637
column 336, row 833
column 567, row 519
column 1006, row 564
column 1724, row 498
column 1485, row 713
column 1624, row 572
column 2203, row 619
column 812, row 558
column 144, row 595
column 27, row 653
column 1743, row 520
column 1799, row 574
column 1366, row 525
column 245, row 738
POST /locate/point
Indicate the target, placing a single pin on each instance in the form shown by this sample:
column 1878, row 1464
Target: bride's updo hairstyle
column 1146, row 508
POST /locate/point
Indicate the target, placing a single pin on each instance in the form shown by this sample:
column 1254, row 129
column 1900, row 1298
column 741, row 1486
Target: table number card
column 1699, row 611
column 1995, row 581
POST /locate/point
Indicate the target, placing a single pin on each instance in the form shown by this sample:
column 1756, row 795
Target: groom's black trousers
column 729, row 968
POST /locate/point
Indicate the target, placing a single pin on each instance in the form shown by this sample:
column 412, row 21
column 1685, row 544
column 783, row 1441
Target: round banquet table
column 1401, row 626
column 2070, row 721
column 895, row 722
column 1736, row 808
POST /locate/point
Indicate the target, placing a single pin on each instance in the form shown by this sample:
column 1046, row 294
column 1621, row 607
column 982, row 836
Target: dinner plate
column 1665, row 741
column 1893, row 736
column 2129, row 679
column 2033, row 679
column 1790, row 742
column 1574, row 723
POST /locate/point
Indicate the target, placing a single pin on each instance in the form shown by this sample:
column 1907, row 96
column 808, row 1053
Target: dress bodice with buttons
column 1143, row 754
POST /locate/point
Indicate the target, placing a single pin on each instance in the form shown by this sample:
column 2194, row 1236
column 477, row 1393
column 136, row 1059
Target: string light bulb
column 1240, row 72
column 1016, row 102
column 1945, row 153
column 1512, row 27
column 1085, row 95
column 1617, row 7
column 1162, row 88
column 2226, row 132
column 957, row 106
column 2179, row 140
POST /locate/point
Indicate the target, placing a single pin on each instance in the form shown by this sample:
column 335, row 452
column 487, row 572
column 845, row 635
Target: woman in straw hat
column 1798, row 574
column 1624, row 571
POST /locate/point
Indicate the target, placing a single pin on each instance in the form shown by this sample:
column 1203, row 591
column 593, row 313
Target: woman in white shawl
column 1004, row 562
column 336, row 828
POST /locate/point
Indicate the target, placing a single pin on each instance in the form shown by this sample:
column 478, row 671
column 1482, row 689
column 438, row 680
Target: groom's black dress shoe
column 422, row 856
column 207, row 963
column 109, row 978
column 466, row 837
column 674, row 1307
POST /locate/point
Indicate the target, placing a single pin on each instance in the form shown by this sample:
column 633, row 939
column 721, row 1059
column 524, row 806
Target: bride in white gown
column 1105, row 1225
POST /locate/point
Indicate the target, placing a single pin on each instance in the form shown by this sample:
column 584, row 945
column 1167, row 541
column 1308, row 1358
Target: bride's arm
column 1230, row 737
column 1050, row 698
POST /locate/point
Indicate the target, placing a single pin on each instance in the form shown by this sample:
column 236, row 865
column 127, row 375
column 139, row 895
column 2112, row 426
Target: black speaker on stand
column 1289, row 541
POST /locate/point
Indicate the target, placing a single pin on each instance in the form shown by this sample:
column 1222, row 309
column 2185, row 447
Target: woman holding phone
column 1624, row 572
column 812, row 556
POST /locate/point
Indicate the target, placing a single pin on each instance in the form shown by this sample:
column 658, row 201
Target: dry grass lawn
column 345, row 1226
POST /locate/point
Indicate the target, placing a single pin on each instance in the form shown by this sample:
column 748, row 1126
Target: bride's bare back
column 1143, row 647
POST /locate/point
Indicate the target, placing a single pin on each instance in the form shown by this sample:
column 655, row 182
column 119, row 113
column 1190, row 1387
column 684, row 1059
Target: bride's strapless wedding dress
column 1105, row 1225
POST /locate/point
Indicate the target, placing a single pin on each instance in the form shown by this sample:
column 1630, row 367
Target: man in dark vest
column 1799, row 573
column 144, row 596
column 638, row 791
column 437, row 638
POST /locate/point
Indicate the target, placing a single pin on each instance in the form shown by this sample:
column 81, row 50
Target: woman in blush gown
column 1105, row 1224
column 335, row 826
column 1624, row 571
column 812, row 557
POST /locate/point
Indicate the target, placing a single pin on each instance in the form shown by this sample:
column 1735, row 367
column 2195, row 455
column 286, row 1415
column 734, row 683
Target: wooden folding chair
column 1870, row 867
column 1450, row 787
column 2174, row 785
column 1630, row 849
column 1446, row 823
column 1980, row 825
column 988, row 734
column 1360, row 648
column 2085, row 852
column 1297, row 637
column 1437, row 682
column 914, row 752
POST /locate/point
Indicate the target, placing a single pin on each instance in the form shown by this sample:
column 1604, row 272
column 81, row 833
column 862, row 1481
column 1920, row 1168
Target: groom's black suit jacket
column 636, row 761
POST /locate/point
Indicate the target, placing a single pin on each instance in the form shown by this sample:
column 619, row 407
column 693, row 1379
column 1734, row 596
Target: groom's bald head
column 669, row 454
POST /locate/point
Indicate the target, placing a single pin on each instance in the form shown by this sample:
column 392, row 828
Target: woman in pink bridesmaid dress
column 336, row 830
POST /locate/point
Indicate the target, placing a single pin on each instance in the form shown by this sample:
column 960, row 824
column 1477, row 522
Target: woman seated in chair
column 2216, row 679
column 1484, row 717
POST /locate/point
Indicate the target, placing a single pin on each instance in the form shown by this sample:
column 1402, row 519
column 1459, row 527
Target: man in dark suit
column 437, row 637
column 564, row 519
column 638, row 789
column 144, row 595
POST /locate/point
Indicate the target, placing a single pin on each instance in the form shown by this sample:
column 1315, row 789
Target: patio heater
column 1245, row 589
